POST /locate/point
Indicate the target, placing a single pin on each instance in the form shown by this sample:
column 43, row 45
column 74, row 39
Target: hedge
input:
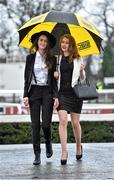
column 21, row 133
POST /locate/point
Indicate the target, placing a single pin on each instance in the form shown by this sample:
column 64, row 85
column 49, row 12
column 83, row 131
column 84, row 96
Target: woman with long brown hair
column 40, row 90
column 70, row 68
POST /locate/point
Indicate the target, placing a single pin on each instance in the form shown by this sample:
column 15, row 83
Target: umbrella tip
column 54, row 9
column 102, row 48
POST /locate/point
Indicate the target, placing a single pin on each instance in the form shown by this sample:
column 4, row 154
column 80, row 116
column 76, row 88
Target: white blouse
column 40, row 70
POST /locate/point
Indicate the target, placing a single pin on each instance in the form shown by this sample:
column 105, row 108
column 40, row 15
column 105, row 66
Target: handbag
column 85, row 90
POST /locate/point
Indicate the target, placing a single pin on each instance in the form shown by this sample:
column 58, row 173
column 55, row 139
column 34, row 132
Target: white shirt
column 40, row 70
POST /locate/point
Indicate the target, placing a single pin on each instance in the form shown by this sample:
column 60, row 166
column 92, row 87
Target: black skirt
column 69, row 103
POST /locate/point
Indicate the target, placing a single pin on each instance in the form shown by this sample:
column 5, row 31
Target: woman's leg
column 75, row 119
column 35, row 118
column 47, row 110
column 63, row 121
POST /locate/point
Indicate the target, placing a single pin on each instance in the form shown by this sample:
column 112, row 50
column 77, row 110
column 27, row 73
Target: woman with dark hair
column 40, row 90
column 70, row 68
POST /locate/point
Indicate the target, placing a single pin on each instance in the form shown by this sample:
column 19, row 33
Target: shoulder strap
column 34, row 77
column 58, row 61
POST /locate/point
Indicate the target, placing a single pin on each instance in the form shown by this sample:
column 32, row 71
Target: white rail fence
column 90, row 112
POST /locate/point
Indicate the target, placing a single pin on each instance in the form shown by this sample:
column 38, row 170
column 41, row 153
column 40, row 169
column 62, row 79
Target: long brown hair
column 49, row 57
column 72, row 48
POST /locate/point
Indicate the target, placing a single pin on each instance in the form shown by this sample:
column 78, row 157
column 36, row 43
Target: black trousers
column 41, row 107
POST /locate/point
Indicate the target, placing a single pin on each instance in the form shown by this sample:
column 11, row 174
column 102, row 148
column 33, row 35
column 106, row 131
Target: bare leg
column 63, row 121
column 75, row 119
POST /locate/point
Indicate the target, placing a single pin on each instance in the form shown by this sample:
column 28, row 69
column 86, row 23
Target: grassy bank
column 20, row 133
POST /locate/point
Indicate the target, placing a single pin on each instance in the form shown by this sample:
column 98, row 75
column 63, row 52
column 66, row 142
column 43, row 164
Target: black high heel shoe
column 79, row 156
column 64, row 161
column 49, row 150
column 37, row 160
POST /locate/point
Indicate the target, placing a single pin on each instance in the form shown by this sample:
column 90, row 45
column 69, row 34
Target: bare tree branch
column 102, row 16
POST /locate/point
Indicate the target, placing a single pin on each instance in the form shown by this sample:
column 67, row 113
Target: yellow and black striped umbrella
column 87, row 37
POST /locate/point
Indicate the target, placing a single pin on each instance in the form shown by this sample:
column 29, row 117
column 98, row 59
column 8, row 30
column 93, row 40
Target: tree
column 108, row 56
column 103, row 17
column 64, row 5
column 108, row 64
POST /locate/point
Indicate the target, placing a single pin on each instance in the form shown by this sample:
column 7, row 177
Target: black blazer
column 29, row 67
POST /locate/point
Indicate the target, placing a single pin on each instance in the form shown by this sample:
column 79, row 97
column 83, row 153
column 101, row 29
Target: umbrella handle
column 57, row 63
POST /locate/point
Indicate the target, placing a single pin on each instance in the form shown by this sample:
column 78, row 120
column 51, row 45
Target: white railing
column 104, row 95
column 90, row 112
column 16, row 112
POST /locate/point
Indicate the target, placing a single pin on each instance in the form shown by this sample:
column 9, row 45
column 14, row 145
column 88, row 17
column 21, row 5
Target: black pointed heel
column 64, row 161
column 78, row 157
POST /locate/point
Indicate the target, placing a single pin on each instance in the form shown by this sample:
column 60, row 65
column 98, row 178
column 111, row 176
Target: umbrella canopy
column 87, row 37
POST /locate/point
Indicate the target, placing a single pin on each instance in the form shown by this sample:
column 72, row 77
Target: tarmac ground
column 16, row 162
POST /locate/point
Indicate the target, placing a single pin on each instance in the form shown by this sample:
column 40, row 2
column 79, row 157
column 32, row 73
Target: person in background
column 70, row 68
column 40, row 90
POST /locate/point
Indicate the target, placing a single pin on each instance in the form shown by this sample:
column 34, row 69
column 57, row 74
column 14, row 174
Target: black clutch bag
column 85, row 90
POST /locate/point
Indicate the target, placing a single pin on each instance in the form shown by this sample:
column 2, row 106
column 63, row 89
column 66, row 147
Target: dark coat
column 29, row 67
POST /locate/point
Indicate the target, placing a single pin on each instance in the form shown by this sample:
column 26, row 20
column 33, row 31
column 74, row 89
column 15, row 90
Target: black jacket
column 29, row 67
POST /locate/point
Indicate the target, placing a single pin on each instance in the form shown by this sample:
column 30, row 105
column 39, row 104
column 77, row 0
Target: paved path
column 97, row 163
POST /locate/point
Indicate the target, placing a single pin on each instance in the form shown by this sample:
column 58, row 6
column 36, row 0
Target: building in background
column 12, row 76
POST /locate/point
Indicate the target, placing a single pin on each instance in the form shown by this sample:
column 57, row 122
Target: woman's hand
column 26, row 101
column 56, row 74
column 82, row 72
column 56, row 103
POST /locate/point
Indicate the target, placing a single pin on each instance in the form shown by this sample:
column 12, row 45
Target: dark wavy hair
column 49, row 57
column 72, row 48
